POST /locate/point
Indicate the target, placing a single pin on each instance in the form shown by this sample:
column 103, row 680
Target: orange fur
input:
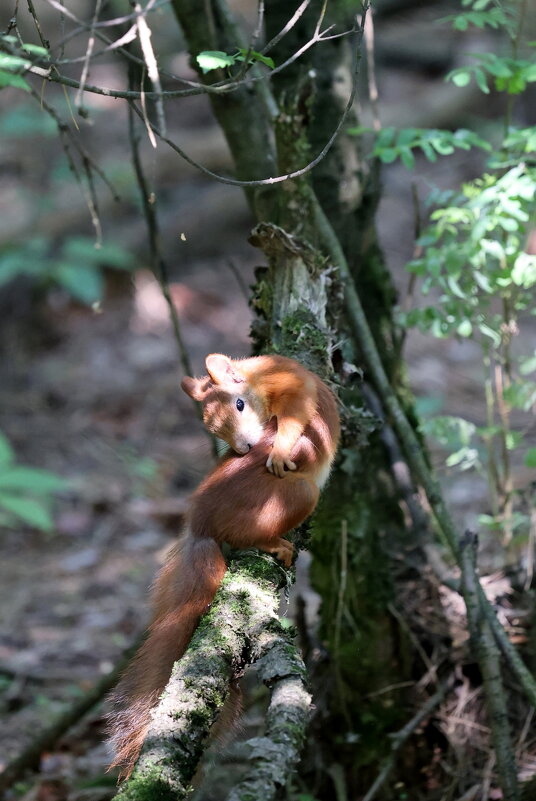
column 240, row 502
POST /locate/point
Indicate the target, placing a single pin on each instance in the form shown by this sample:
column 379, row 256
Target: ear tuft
column 221, row 369
column 193, row 387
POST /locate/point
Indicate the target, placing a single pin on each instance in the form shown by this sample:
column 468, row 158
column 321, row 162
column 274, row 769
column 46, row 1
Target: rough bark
column 241, row 627
column 488, row 657
column 299, row 302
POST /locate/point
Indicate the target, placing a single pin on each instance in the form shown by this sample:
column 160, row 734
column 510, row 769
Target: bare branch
column 487, row 655
column 371, row 71
column 158, row 264
column 89, row 51
column 401, row 736
column 287, row 176
column 288, row 27
column 144, row 33
column 272, row 757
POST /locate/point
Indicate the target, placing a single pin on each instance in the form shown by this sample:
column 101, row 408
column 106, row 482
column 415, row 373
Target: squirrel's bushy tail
column 183, row 590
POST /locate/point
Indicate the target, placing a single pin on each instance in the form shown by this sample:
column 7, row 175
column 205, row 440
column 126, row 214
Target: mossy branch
column 241, row 627
column 273, row 757
column 488, row 657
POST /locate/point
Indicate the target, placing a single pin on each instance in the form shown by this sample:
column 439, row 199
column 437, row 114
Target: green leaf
column 408, row 159
column 489, row 521
column 17, row 81
column 528, row 365
column 443, row 147
column 24, row 120
column 385, row 137
column 497, row 66
column 460, row 77
column 30, row 479
column 254, row 56
column 85, row 283
column 82, row 249
column 428, row 151
column 465, row 329
column 406, row 136
column 530, row 457
column 358, row 130
column 490, row 333
column 6, row 451
column 13, row 63
column 524, row 271
column 521, row 395
column 388, row 155
column 481, row 80
column 482, row 281
column 455, row 288
column 28, row 510
column 36, row 49
column 214, row 60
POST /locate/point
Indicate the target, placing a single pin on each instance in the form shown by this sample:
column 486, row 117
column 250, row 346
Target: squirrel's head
column 231, row 410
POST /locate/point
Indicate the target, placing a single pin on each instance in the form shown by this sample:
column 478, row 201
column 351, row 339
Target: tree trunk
column 359, row 532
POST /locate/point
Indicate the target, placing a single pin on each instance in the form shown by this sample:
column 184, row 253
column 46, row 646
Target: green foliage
column 392, row 143
column 494, row 18
column 474, row 265
column 509, row 75
column 26, row 493
column 456, row 435
column 12, row 64
column 77, row 268
column 210, row 60
column 24, row 120
column 473, row 253
column 530, row 457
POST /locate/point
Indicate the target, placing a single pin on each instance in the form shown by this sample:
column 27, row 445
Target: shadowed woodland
column 351, row 186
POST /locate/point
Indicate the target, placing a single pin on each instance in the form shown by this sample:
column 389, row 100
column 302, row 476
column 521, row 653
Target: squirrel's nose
column 249, row 446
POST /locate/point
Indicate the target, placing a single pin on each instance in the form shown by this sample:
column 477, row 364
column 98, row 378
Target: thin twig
column 239, row 279
column 487, row 655
column 196, row 88
column 343, row 577
column 89, row 51
column 158, row 264
column 68, row 139
column 288, row 26
column 530, row 550
column 401, row 736
column 371, row 72
column 144, row 34
column 287, row 176
column 45, row 43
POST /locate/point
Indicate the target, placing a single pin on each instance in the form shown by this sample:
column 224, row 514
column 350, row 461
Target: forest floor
column 94, row 396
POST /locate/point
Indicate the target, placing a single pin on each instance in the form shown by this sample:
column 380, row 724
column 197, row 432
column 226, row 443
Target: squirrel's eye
column 240, row 404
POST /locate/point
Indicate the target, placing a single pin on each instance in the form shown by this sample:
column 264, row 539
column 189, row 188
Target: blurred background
column 89, row 366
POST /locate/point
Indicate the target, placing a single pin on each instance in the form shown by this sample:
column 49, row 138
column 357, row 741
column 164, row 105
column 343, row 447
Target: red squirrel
column 261, row 489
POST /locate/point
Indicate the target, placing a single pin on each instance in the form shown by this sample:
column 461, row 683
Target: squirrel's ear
column 221, row 370
column 193, row 387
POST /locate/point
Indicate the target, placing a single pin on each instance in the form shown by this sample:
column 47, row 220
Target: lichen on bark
column 242, row 626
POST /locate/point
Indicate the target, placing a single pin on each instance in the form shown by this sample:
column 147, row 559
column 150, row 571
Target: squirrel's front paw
column 278, row 464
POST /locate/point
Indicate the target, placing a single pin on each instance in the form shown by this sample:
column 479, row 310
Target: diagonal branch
column 241, row 626
column 488, row 658
column 410, row 443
